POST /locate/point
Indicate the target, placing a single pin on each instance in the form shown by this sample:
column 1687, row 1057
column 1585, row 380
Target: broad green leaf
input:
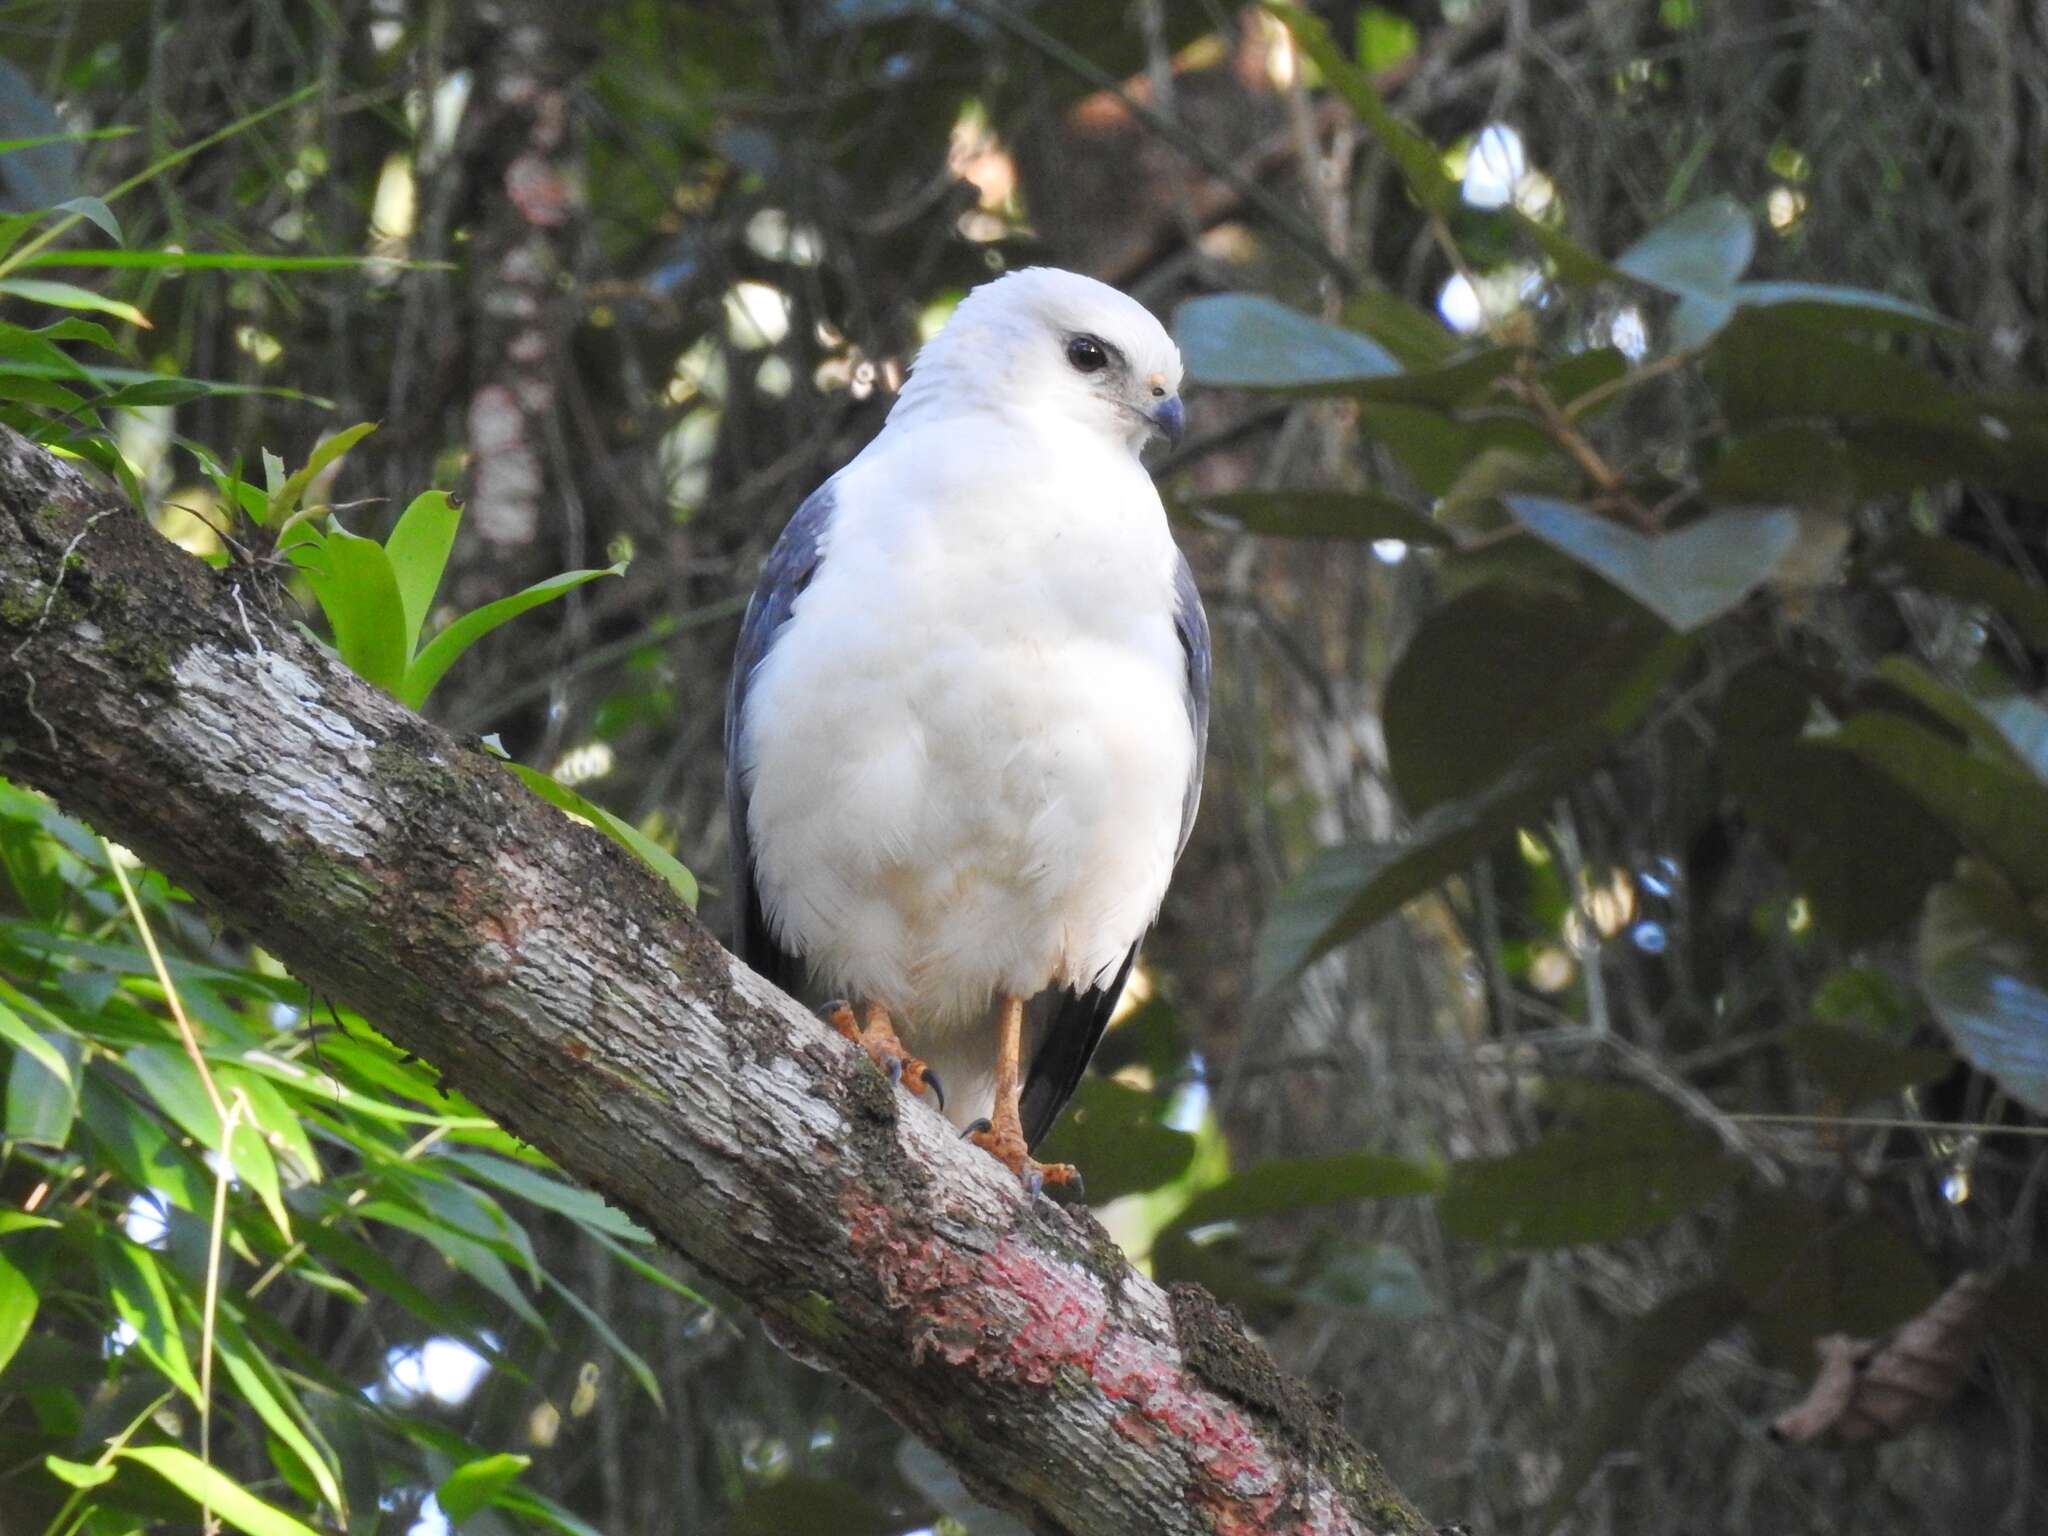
column 1321, row 515
column 358, row 591
column 1830, row 305
column 1806, row 1272
column 1808, row 465
column 133, row 1140
column 476, row 1483
column 211, row 1487
column 1503, row 675
column 1855, row 1067
column 1248, row 341
column 1385, row 38
column 44, row 1100
column 1436, row 447
column 1955, row 570
column 276, row 1121
column 71, row 296
column 1647, row 1358
column 135, row 1285
column 620, row 831
column 1111, row 1132
column 284, row 495
column 1421, row 163
column 1417, row 338
column 17, row 1308
column 1966, row 716
column 1702, row 249
column 1344, row 891
column 156, row 392
column 1984, row 967
column 418, row 548
column 1624, row 1162
column 443, row 650
column 1687, row 578
column 2000, row 811
column 1301, row 1183
column 2022, row 725
column 169, row 1078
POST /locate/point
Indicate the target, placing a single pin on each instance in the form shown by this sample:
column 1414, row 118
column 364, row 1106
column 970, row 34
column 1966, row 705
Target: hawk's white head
column 1045, row 342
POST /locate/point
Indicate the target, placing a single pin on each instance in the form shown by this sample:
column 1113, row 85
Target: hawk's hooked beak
column 1171, row 418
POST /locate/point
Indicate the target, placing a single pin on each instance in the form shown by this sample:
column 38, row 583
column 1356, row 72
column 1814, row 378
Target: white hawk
column 968, row 711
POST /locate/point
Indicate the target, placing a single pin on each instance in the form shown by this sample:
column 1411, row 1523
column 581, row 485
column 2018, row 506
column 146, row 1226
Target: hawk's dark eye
column 1087, row 354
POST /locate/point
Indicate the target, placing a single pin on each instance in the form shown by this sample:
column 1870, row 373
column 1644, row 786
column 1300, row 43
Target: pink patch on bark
column 1013, row 1315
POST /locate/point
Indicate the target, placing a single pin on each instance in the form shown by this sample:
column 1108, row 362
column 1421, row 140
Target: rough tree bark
column 563, row 987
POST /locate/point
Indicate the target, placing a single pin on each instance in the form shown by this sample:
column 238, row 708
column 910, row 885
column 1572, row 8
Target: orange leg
column 1003, row 1137
column 876, row 1035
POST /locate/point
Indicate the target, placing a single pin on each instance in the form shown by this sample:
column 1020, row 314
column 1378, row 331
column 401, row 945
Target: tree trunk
column 567, row 991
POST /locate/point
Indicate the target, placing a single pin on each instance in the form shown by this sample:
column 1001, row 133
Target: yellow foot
column 878, row 1038
column 1003, row 1140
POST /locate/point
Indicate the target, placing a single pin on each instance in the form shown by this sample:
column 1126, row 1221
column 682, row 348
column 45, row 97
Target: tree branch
column 565, row 989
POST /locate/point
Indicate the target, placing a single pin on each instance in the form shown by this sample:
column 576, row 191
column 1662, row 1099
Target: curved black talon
column 931, row 1081
column 837, row 1005
column 983, row 1124
column 894, row 1067
column 1033, row 1182
column 1076, row 1194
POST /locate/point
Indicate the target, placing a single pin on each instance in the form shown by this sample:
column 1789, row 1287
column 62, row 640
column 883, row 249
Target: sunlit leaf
column 211, row 1487
column 620, row 831
column 95, row 210
column 1298, row 1183
column 477, row 1483
column 285, row 494
column 358, row 591
column 18, row 1301
column 71, row 296
column 1702, row 249
column 136, row 1287
column 444, row 649
column 418, row 548
column 263, row 1390
column 1850, row 308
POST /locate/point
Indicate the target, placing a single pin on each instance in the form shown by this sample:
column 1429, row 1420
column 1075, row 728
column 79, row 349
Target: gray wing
column 1069, row 1024
column 789, row 568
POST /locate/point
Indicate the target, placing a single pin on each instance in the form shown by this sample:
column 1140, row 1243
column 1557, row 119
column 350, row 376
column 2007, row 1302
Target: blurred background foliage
column 1601, row 1025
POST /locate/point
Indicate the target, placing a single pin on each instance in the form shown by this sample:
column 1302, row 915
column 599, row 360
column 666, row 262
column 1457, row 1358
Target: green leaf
column 1385, row 39
column 1854, row 1067
column 42, row 1086
column 471, row 1257
column 477, row 1483
column 1626, row 1163
column 17, row 1308
column 285, row 494
column 1687, row 578
column 1344, row 891
column 1300, row 1183
column 1805, row 1273
column 1984, row 966
column 71, row 296
column 1111, row 1132
column 531, row 1184
column 1248, row 341
column 419, row 548
column 1648, row 1357
column 212, row 1488
column 1321, row 515
column 1421, row 163
column 601, row 1326
column 2000, row 811
column 443, row 650
column 1380, row 1279
column 169, row 1078
column 358, row 591
column 77, row 1474
column 1826, row 304
column 1794, row 462
column 136, row 1287
column 1504, row 675
column 620, row 831
column 214, row 261
column 1702, row 249
column 92, row 208
column 1417, row 338
column 1955, row 570
column 265, row 1391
